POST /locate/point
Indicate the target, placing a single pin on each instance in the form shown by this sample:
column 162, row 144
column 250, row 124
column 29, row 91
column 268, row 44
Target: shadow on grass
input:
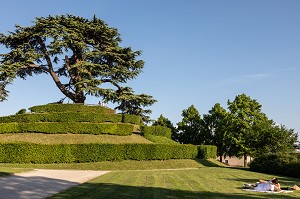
column 207, row 163
column 108, row 191
column 4, row 174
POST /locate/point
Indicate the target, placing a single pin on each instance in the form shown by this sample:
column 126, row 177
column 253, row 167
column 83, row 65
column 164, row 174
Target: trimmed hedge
column 282, row 164
column 50, row 108
column 62, row 117
column 207, row 151
column 68, row 127
column 132, row 119
column 69, row 153
column 157, row 130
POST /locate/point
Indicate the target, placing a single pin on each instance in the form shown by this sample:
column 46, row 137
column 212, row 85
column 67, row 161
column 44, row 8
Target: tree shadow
column 207, row 163
column 108, row 191
column 2, row 174
column 14, row 186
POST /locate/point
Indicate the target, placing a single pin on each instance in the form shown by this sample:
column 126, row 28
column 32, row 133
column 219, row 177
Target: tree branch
column 36, row 66
column 52, row 73
column 112, row 82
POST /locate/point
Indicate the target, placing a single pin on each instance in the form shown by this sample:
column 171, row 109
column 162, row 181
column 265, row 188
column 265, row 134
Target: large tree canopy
column 80, row 55
column 189, row 127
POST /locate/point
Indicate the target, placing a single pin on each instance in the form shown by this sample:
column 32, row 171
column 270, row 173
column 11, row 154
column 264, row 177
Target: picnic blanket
column 282, row 191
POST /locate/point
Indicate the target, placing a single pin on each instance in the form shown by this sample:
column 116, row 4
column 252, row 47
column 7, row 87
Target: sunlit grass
column 204, row 182
column 40, row 138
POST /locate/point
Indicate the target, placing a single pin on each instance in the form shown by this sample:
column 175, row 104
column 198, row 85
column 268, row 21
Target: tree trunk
column 245, row 160
column 221, row 158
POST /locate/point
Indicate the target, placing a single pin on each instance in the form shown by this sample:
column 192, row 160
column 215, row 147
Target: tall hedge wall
column 70, row 108
column 68, row 127
column 156, row 130
column 71, row 117
column 67, row 153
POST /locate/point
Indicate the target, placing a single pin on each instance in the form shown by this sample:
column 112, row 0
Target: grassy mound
column 68, row 133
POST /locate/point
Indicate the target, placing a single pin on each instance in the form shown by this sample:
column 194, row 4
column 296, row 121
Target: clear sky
column 195, row 52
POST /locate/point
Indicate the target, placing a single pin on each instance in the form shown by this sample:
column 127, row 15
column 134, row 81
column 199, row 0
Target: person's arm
column 277, row 187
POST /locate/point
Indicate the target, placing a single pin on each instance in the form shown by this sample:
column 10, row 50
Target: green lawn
column 202, row 182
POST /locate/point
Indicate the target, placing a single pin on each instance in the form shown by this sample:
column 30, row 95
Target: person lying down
column 262, row 185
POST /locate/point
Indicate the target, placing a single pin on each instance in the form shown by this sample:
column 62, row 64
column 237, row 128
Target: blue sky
column 195, row 52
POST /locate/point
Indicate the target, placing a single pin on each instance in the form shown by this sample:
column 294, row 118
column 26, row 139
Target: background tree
column 245, row 114
column 83, row 57
column 163, row 121
column 274, row 139
column 189, row 127
column 215, row 128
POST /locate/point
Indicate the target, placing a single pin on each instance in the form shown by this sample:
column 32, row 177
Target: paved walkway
column 41, row 183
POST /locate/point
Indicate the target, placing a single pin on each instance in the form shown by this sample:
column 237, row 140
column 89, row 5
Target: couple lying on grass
column 263, row 185
column 271, row 185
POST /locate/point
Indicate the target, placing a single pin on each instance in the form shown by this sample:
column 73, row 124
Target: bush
column 70, row 108
column 68, row 127
column 68, row 153
column 207, row 151
column 282, row 164
column 22, row 111
column 157, row 130
column 63, row 117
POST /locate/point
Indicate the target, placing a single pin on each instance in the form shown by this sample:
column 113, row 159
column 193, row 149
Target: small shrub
column 157, row 130
column 22, row 111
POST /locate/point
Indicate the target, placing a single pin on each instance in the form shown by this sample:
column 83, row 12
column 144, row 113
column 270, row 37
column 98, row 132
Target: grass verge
column 10, row 171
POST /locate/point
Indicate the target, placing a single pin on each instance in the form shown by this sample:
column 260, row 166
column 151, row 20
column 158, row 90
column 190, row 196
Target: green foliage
column 156, row 130
column 159, row 139
column 130, row 103
column 132, row 119
column 68, row 127
column 280, row 164
column 189, row 127
column 215, row 128
column 207, row 151
column 273, row 139
column 22, row 111
column 82, row 56
column 50, row 108
column 67, row 153
column 64, row 117
column 163, row 121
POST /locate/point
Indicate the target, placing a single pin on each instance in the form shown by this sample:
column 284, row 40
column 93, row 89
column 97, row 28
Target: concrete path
column 41, row 183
